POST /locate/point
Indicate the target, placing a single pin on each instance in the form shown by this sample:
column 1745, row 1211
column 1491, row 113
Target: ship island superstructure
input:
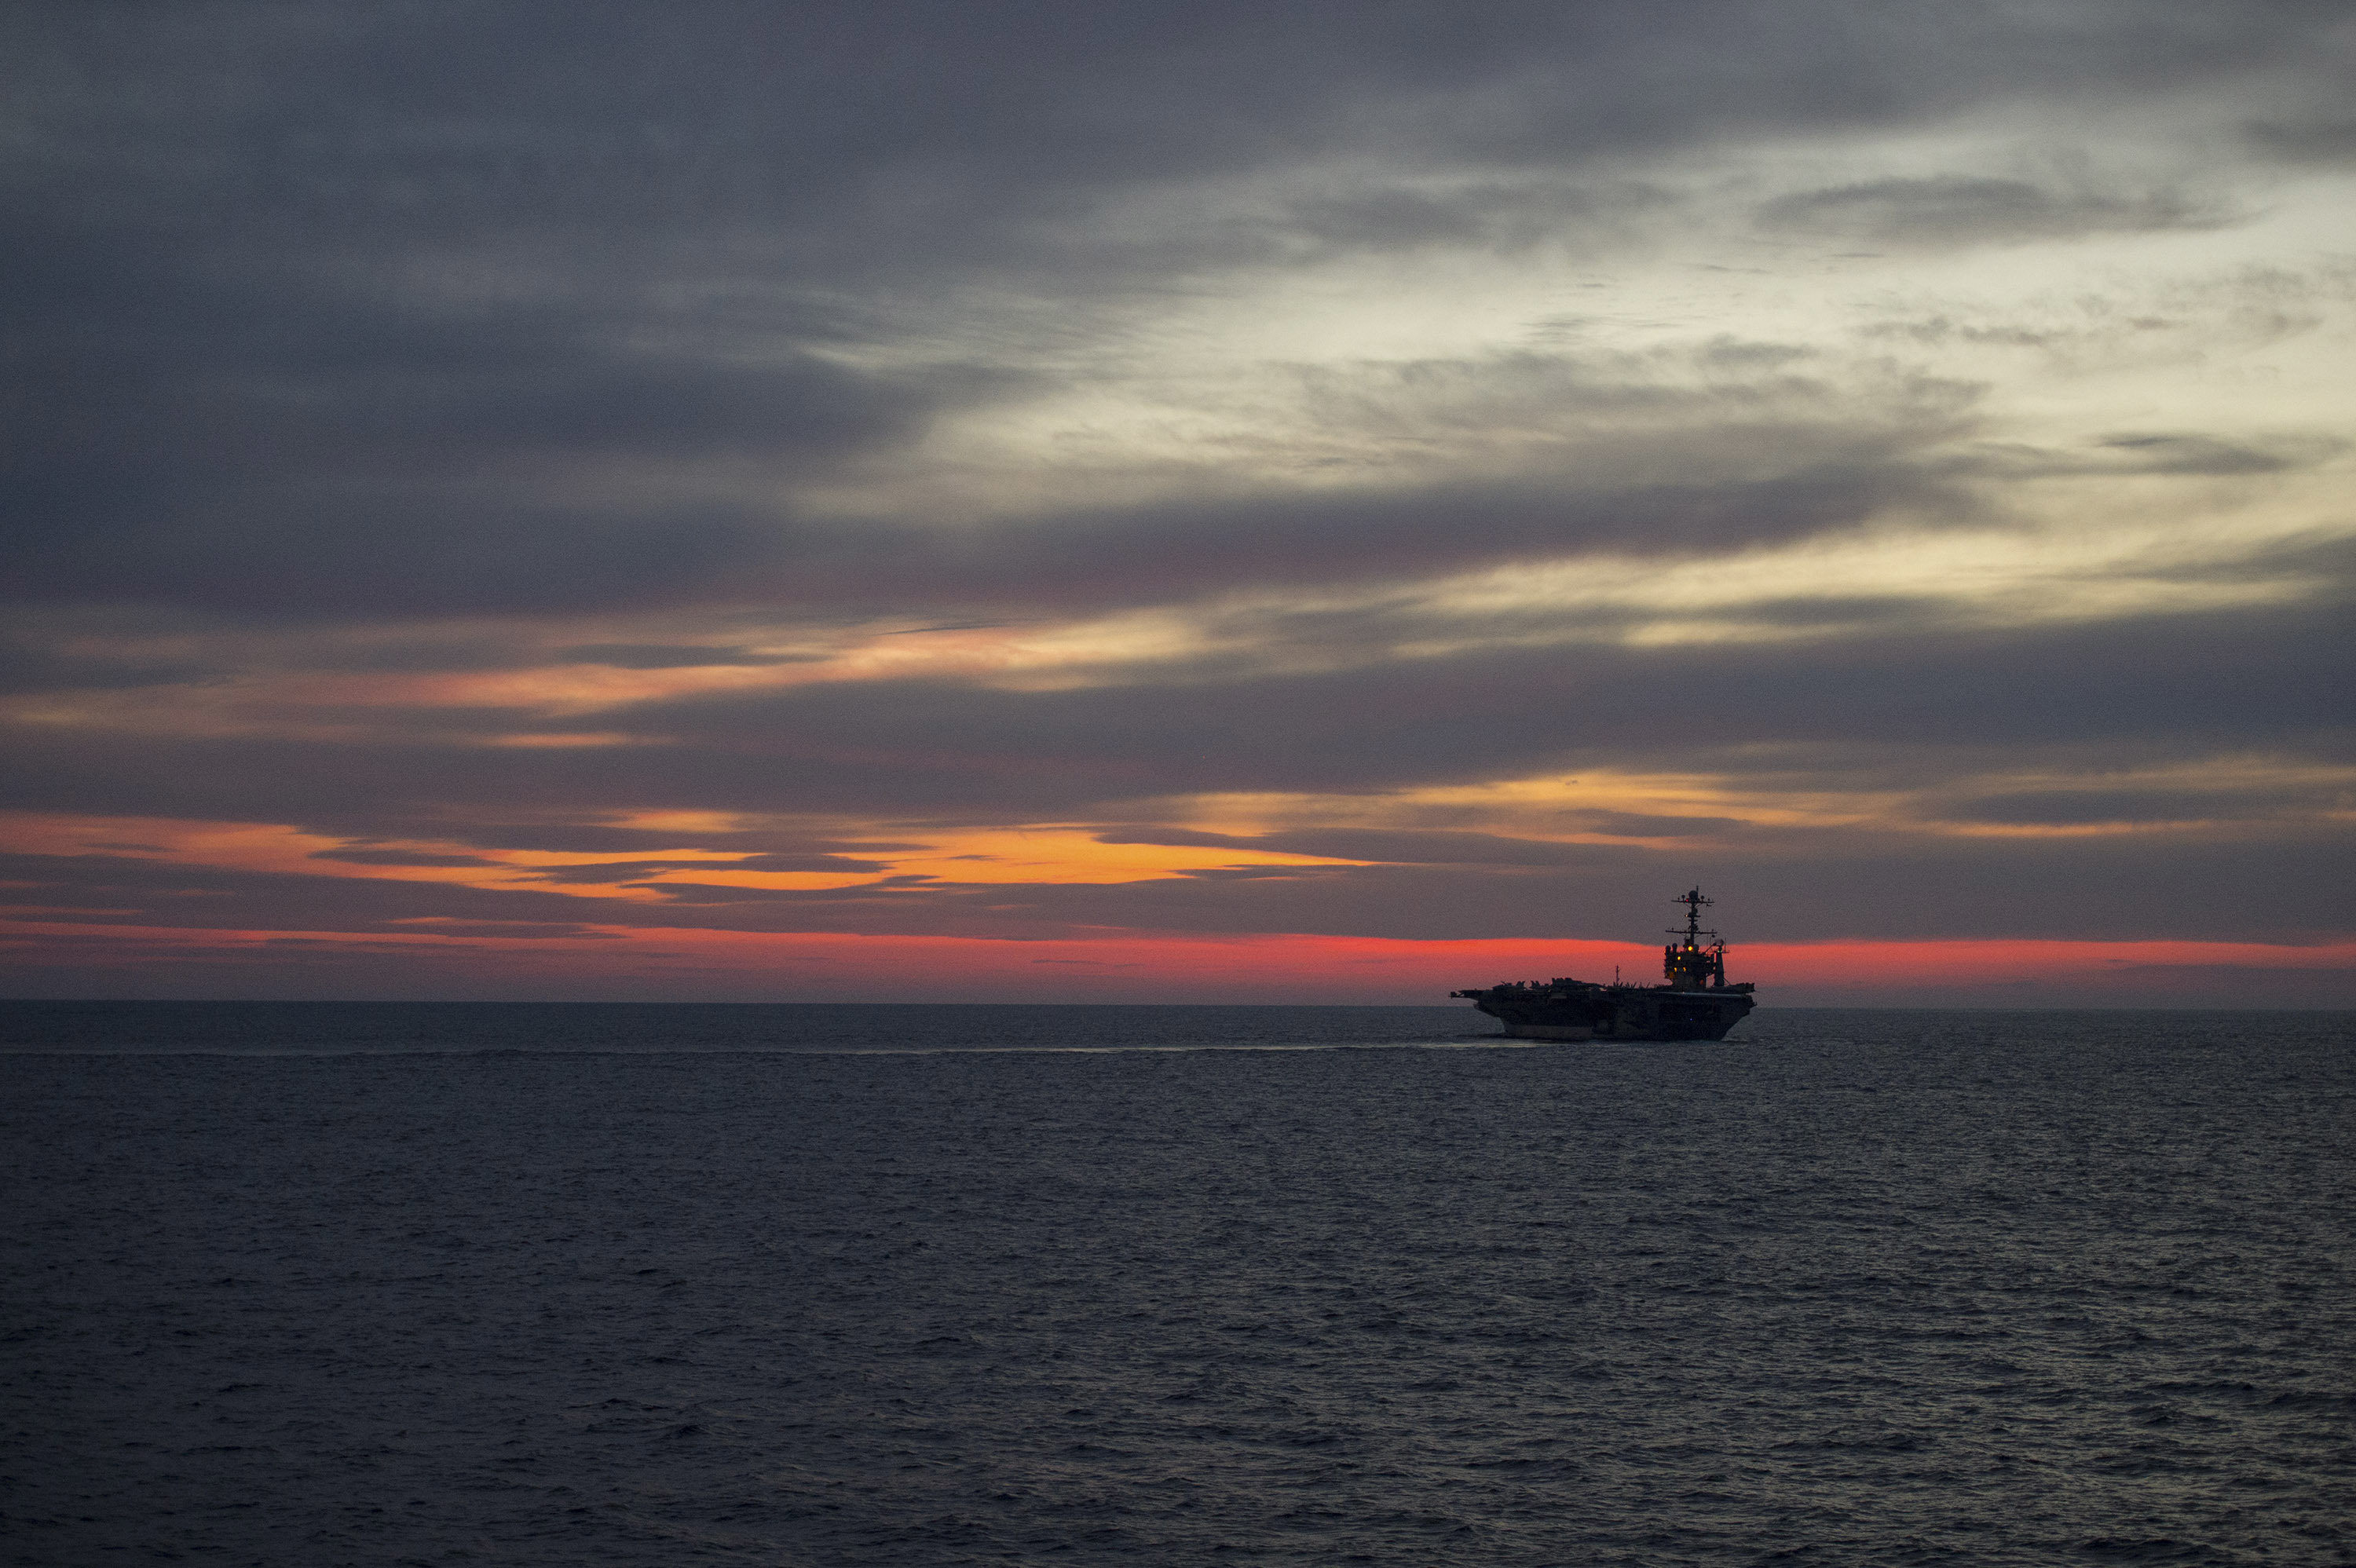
column 1694, row 1001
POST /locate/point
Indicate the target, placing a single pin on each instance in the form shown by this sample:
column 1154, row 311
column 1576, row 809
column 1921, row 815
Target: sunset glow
column 1142, row 531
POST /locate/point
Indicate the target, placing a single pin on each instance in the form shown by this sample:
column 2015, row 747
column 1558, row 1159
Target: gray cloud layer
column 1892, row 711
column 380, row 311
column 377, row 318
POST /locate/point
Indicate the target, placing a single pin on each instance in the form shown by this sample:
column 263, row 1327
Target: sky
column 1110, row 502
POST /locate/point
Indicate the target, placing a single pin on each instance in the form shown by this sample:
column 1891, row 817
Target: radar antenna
column 1695, row 904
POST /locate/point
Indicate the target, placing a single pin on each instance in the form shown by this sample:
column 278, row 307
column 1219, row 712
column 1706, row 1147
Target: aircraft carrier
column 1693, row 1003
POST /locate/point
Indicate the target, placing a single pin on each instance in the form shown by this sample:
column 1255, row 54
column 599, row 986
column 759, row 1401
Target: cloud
column 399, row 857
column 2308, row 141
column 192, row 495
column 534, row 310
column 1801, row 886
column 760, row 848
column 1892, row 705
column 1434, row 848
column 782, row 111
column 636, row 871
column 270, row 442
column 27, row 665
column 523, row 428
column 2208, row 681
column 2160, row 452
column 1960, row 209
column 2075, row 806
column 660, row 655
column 1484, row 214
column 2201, row 454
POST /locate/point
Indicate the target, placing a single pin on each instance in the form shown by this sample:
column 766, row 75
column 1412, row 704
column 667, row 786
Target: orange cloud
column 1061, row 854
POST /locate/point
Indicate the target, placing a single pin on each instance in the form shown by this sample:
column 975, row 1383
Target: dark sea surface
column 319, row 1284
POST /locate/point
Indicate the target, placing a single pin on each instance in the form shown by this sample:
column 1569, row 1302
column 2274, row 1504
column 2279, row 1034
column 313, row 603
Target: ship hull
column 1618, row 1014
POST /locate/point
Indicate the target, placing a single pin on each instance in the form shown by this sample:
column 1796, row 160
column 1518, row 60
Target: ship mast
column 1688, row 965
column 1695, row 904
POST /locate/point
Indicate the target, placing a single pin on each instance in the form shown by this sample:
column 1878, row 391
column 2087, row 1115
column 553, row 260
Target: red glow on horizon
column 689, row 965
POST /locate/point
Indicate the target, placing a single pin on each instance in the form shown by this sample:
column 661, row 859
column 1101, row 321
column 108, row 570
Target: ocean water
column 328, row 1284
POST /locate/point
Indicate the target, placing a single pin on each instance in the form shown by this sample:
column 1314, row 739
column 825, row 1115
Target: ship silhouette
column 1694, row 1001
